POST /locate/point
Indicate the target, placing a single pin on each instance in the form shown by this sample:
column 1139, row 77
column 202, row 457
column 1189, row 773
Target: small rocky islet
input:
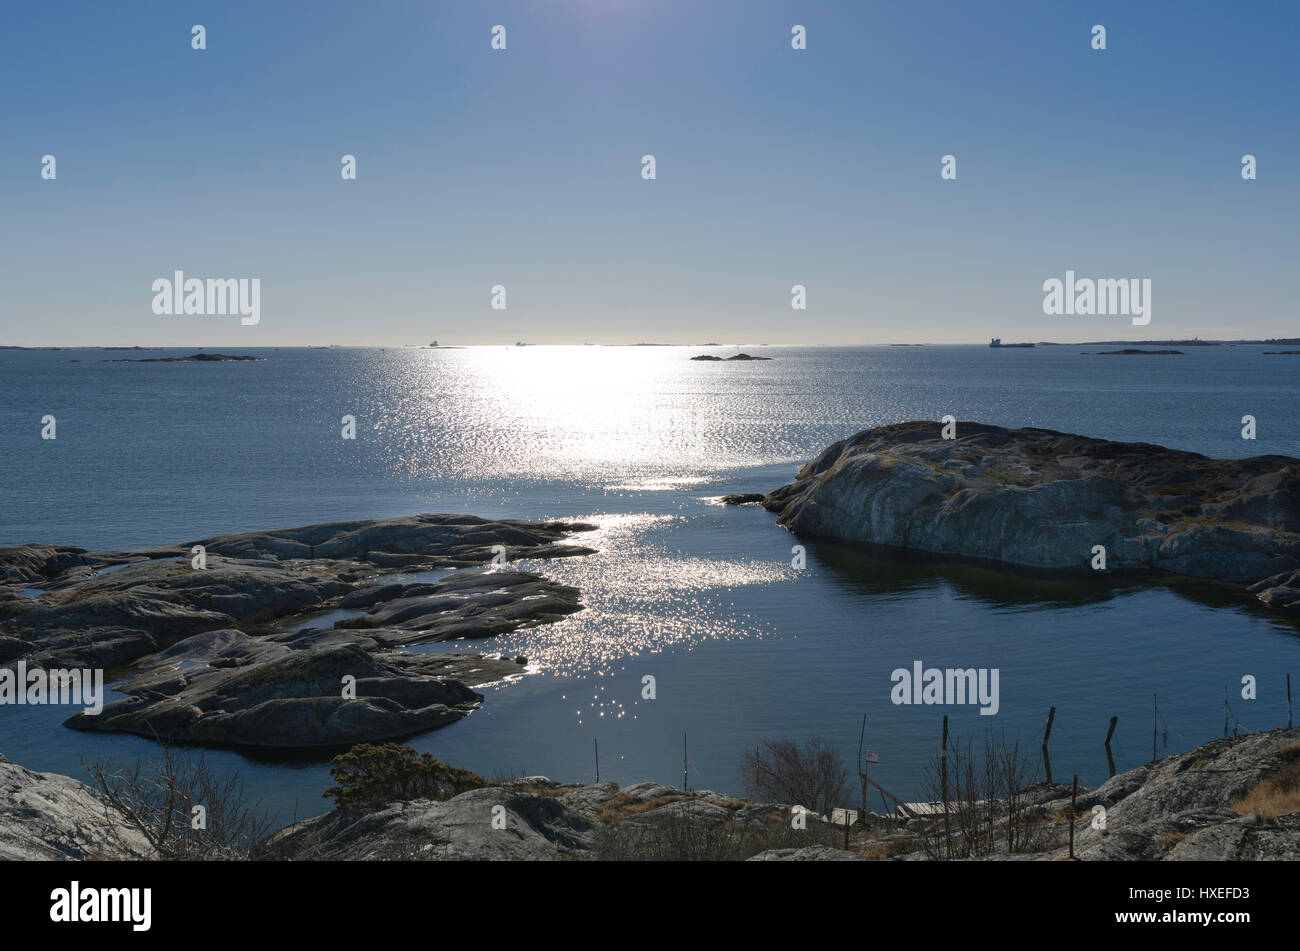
column 192, row 358
column 1043, row 500
column 209, row 655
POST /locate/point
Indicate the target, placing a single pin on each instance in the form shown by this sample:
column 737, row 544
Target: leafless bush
column 985, row 808
column 812, row 775
column 159, row 797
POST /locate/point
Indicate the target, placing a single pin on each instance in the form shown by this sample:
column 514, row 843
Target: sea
column 701, row 637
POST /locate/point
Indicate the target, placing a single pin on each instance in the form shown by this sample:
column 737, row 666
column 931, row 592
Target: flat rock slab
column 435, row 540
column 107, row 609
column 231, row 689
column 206, row 650
column 467, row 604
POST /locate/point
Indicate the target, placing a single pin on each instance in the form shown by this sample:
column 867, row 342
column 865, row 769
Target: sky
column 522, row 168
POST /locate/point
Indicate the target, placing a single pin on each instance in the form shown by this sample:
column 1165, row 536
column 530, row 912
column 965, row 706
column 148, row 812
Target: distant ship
column 996, row 342
column 434, row 344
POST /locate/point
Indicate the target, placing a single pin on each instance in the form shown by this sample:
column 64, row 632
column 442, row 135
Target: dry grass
column 880, row 851
column 1277, row 794
column 1169, row 840
column 552, row 792
column 624, row 805
column 1008, row 476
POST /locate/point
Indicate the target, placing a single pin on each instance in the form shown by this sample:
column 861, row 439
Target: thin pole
column 1110, row 759
column 1047, row 735
column 1155, row 724
column 1073, row 796
column 597, row 743
column 943, row 762
column 1288, row 701
column 684, row 768
column 862, row 739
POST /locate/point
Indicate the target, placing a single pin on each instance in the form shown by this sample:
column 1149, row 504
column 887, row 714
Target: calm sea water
column 642, row 441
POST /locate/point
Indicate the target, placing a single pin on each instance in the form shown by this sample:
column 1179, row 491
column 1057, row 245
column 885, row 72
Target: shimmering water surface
column 641, row 441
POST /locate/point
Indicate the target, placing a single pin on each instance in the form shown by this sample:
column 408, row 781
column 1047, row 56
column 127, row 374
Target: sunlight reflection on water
column 640, row 597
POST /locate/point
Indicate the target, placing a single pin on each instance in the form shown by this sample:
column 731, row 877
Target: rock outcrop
column 544, row 820
column 1194, row 805
column 227, row 688
column 1182, row 807
column 214, row 662
column 46, row 816
column 1036, row 498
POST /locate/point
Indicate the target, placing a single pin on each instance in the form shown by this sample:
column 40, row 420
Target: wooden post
column 597, row 743
column 862, row 739
column 1073, row 796
column 1155, row 723
column 1047, row 735
column 684, row 772
column 1288, row 702
column 943, row 786
column 846, row 830
column 1110, row 759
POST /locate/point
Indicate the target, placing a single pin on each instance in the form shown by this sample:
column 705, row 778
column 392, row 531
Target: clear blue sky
column 522, row 168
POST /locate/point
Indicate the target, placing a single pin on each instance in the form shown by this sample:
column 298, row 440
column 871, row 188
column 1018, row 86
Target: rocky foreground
column 211, row 653
column 1235, row 799
column 1034, row 498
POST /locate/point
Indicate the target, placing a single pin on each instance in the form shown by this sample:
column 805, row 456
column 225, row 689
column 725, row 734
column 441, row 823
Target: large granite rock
column 529, row 826
column 543, row 820
column 1181, row 807
column 1040, row 499
column 46, row 816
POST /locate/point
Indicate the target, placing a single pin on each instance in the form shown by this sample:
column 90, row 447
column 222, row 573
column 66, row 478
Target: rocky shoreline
column 1044, row 500
column 1203, row 804
column 205, row 631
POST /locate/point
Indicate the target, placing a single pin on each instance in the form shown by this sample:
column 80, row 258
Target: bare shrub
column 158, row 798
column 812, row 775
column 986, row 808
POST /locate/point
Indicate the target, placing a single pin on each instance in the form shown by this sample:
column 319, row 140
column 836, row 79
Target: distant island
column 1194, row 342
column 740, row 356
column 1129, row 351
column 192, row 358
